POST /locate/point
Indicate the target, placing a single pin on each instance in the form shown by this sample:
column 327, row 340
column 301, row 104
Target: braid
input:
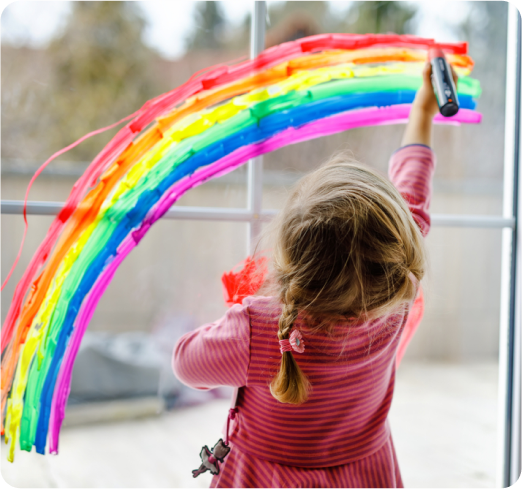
column 286, row 320
column 290, row 384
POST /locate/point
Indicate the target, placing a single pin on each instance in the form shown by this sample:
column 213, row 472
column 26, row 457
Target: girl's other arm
column 215, row 354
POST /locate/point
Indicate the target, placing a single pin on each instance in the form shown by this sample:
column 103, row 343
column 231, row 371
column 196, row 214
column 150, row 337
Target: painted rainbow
column 208, row 126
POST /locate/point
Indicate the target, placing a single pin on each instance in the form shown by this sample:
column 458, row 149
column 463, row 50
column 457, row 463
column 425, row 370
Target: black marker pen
column 442, row 81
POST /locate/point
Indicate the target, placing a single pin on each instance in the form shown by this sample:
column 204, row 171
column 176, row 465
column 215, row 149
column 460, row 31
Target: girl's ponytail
column 290, row 385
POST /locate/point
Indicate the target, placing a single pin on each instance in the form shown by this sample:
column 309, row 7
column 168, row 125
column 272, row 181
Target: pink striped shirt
column 352, row 371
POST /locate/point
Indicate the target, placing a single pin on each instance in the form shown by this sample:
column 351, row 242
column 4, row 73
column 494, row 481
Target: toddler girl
column 314, row 362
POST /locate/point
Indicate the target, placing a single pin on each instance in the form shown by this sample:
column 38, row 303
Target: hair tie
column 295, row 343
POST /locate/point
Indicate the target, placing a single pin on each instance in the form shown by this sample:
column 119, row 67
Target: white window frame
column 509, row 459
column 509, row 452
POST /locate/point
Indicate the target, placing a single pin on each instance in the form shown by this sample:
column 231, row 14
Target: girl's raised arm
column 411, row 167
column 411, row 170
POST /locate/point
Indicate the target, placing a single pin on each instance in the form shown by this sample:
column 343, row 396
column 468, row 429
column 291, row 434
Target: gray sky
column 34, row 23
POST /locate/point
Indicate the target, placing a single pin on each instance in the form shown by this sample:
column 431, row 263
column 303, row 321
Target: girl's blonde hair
column 346, row 246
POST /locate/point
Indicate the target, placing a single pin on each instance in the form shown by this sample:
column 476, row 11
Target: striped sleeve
column 411, row 170
column 215, row 354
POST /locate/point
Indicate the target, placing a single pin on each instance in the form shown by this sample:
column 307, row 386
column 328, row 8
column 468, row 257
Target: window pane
column 12, row 231
column 211, row 33
column 462, row 288
column 174, row 272
column 444, row 423
column 447, row 384
column 444, row 414
column 470, row 158
column 69, row 68
column 98, row 64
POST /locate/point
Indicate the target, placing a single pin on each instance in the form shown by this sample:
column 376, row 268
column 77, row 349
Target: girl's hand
column 425, row 100
column 424, row 108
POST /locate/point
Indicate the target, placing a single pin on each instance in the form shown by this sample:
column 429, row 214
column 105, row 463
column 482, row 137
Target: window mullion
column 255, row 165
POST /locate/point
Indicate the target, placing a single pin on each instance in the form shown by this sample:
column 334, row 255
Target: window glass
column 174, row 272
column 447, row 384
column 12, row 232
column 69, row 68
column 470, row 158
column 444, row 413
